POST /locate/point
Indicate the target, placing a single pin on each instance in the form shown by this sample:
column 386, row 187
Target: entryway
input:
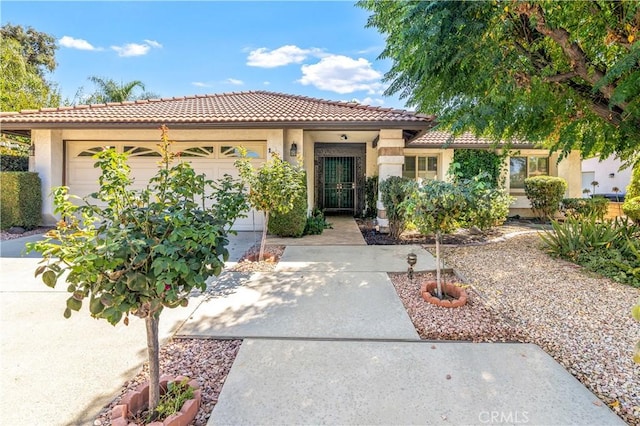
column 340, row 177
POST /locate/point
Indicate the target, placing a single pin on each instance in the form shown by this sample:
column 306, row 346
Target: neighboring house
column 433, row 154
column 608, row 175
column 340, row 143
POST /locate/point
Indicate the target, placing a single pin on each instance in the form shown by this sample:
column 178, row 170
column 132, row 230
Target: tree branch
column 577, row 57
column 559, row 78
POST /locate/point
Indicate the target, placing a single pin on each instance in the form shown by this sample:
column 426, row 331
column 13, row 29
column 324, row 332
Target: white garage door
column 214, row 159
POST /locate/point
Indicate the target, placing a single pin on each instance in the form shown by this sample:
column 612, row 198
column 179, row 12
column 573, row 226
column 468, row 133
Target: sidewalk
column 327, row 341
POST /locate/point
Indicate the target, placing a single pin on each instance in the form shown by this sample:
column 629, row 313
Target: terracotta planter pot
column 458, row 293
column 137, row 400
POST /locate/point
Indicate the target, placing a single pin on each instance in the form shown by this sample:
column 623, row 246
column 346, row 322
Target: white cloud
column 370, row 101
column 234, row 81
column 342, row 74
column 200, row 84
column 135, row 49
column 285, row 55
column 153, row 43
column 76, row 43
column 266, row 83
column 132, row 49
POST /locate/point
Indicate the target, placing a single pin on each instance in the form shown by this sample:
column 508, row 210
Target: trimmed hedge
column 545, row 194
column 14, row 163
column 20, row 200
column 291, row 224
column 585, row 207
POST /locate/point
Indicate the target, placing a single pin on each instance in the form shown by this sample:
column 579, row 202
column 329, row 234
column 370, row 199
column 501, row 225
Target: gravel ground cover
column 579, row 318
column 208, row 361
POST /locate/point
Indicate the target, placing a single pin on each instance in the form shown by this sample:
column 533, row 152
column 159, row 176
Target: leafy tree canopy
column 21, row 87
column 563, row 74
column 38, row 49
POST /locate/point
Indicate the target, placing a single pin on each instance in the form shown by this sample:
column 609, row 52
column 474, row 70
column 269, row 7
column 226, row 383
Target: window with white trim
column 420, row 167
column 523, row 167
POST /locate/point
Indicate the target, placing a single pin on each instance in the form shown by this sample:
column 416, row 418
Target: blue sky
column 317, row 49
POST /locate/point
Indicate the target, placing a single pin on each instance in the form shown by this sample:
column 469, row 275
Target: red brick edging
column 452, row 290
column 138, row 399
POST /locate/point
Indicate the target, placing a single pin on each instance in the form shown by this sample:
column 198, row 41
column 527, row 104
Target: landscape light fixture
column 294, row 150
column 412, row 259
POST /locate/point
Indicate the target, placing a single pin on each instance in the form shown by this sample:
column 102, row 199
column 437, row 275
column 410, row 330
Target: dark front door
column 339, row 177
column 339, row 188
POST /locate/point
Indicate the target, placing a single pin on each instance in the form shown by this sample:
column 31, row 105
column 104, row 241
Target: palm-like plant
column 108, row 90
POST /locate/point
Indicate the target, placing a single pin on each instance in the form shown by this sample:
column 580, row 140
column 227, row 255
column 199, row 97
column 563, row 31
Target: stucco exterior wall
column 602, row 171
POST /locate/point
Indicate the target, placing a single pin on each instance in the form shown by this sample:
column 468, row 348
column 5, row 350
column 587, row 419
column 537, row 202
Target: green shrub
column 14, row 163
column 371, row 196
column 585, row 207
column 487, row 206
column 316, row 223
column 631, row 205
column 631, row 208
column 545, row 194
column 609, row 247
column 20, row 200
column 394, row 190
column 468, row 163
column 293, row 222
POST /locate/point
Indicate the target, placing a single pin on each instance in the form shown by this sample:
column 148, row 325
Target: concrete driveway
column 58, row 371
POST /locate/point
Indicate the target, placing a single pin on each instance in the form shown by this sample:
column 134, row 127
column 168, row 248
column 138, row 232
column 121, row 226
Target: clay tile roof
column 440, row 139
column 253, row 107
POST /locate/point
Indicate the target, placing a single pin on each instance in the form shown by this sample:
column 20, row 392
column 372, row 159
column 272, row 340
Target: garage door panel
column 82, row 177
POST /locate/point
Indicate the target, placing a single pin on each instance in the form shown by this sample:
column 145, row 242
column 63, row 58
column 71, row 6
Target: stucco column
column 390, row 162
column 49, row 164
column 567, row 170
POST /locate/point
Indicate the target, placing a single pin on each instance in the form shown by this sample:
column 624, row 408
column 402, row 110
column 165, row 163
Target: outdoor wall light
column 294, row 150
column 32, row 150
column 412, row 259
column 612, row 175
column 343, row 137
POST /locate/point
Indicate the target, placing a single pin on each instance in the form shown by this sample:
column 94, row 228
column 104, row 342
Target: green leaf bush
column 371, row 195
column 20, row 200
column 394, row 190
column 293, row 222
column 14, row 163
column 631, row 205
column 585, row 207
column 316, row 223
column 487, row 205
column 545, row 194
column 609, row 247
column 469, row 163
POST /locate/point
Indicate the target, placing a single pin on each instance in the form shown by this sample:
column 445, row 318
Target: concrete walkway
column 327, row 341
column 343, row 231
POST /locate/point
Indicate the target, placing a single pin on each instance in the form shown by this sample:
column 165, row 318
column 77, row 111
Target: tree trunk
column 263, row 243
column 438, row 280
column 153, row 349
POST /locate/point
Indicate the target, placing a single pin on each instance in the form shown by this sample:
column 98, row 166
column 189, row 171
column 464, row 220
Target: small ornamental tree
column 435, row 207
column 138, row 252
column 274, row 187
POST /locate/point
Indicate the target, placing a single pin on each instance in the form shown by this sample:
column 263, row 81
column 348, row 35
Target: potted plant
column 128, row 252
column 435, row 208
